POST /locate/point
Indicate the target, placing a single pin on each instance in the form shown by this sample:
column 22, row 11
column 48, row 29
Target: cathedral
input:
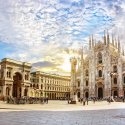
column 101, row 72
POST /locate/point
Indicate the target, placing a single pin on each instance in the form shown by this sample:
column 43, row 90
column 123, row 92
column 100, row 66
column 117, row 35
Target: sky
column 47, row 33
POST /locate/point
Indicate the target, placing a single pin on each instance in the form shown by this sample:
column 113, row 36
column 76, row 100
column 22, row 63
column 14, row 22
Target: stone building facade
column 102, row 71
column 16, row 80
column 48, row 85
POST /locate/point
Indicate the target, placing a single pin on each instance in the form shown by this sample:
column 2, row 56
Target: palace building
column 49, row 85
column 101, row 72
column 16, row 80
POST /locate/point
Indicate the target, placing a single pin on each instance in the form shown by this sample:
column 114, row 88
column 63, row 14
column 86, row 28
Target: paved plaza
column 61, row 113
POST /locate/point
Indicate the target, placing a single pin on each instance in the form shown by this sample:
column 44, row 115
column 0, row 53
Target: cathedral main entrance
column 87, row 95
column 115, row 93
column 100, row 92
column 78, row 94
column 17, row 84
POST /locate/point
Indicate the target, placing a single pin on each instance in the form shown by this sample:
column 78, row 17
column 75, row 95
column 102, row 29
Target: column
column 4, row 90
column 5, row 72
column 11, row 90
column 22, row 90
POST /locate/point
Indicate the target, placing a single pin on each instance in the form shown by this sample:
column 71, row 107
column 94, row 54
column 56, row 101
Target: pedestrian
column 68, row 100
column 87, row 101
column 84, row 101
column 109, row 100
column 123, row 99
column 47, row 100
column 93, row 100
column 81, row 100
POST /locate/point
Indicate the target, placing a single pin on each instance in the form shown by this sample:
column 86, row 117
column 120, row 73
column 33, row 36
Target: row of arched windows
column 55, row 81
column 9, row 75
column 36, row 86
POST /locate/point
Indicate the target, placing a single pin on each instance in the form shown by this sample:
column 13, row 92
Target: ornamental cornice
column 100, row 79
column 99, row 66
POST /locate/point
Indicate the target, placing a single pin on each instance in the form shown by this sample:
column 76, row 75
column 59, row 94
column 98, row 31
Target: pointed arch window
column 78, row 83
column 100, row 73
column 99, row 58
column 87, row 83
column 115, row 69
column 87, row 73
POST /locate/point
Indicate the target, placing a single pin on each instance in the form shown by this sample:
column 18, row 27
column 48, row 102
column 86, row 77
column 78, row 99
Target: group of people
column 26, row 100
column 85, row 101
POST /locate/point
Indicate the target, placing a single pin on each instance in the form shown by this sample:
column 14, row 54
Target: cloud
column 47, row 31
column 45, row 63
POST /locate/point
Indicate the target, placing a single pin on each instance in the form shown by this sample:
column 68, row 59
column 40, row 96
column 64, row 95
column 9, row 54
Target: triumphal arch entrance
column 15, row 78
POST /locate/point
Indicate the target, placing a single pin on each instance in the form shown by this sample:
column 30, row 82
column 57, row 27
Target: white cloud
column 40, row 30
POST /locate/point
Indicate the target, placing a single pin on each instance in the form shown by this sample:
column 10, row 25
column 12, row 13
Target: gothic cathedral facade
column 101, row 72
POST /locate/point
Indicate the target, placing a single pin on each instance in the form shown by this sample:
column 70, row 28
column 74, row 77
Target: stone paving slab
column 110, row 114
column 61, row 106
column 91, row 117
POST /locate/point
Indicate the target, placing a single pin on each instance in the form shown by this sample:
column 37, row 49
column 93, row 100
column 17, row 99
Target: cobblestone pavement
column 100, row 113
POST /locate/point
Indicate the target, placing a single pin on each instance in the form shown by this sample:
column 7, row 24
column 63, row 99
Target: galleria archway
column 17, row 84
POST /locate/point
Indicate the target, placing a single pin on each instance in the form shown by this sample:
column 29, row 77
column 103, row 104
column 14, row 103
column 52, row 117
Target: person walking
column 123, row 99
column 87, row 101
column 68, row 101
column 47, row 100
column 84, row 101
column 94, row 100
column 109, row 100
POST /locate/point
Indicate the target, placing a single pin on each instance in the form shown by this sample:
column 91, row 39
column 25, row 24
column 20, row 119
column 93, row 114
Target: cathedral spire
column 95, row 42
column 112, row 40
column 115, row 43
column 123, row 51
column 119, row 45
column 108, row 39
column 82, row 57
column 90, row 43
column 104, row 38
